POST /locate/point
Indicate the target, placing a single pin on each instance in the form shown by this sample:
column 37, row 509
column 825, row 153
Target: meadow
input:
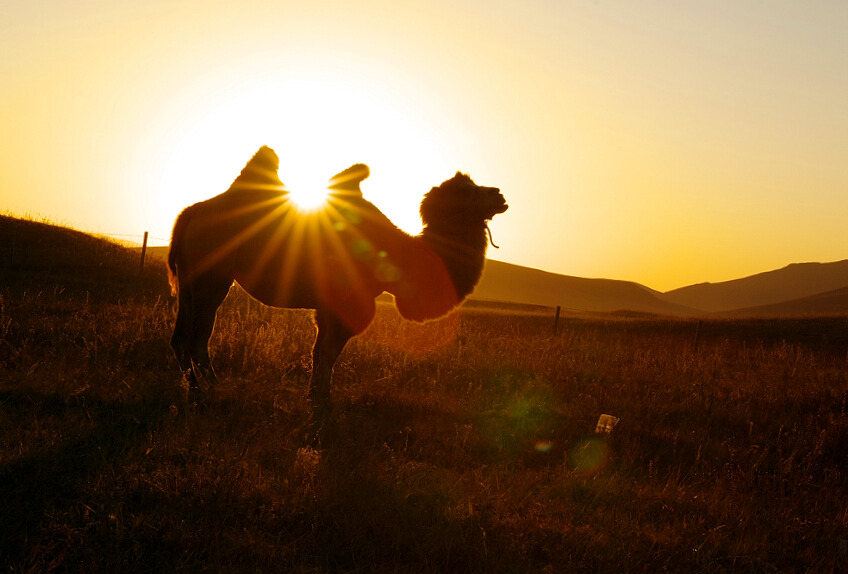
column 463, row 445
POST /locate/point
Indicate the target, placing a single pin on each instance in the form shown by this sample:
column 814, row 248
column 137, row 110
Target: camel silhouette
column 336, row 260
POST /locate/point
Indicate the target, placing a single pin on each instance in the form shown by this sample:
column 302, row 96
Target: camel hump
column 348, row 180
column 265, row 159
column 260, row 172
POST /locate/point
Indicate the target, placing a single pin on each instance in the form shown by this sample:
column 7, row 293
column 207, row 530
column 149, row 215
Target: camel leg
column 180, row 338
column 332, row 337
column 207, row 295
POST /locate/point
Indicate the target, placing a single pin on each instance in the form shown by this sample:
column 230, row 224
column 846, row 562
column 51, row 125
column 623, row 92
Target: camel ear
column 349, row 179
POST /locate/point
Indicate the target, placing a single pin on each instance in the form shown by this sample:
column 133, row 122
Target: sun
column 307, row 193
column 318, row 127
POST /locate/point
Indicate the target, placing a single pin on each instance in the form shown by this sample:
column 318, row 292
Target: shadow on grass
column 52, row 480
column 377, row 508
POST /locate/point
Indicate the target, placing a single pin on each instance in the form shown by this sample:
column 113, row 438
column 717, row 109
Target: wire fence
column 139, row 238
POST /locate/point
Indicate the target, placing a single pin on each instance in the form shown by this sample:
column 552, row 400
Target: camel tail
column 176, row 244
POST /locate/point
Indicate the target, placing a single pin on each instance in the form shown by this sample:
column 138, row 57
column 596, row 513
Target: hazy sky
column 667, row 142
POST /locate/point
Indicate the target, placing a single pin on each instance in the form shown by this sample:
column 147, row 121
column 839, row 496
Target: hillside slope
column 36, row 256
column 795, row 281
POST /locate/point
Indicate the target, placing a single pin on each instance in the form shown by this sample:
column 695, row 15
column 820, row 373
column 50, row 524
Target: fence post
column 697, row 337
column 556, row 320
column 143, row 252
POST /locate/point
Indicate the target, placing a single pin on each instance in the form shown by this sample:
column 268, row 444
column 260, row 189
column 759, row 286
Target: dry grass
column 465, row 445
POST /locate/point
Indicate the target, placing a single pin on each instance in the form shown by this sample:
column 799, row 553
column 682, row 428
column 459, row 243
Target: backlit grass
column 464, row 445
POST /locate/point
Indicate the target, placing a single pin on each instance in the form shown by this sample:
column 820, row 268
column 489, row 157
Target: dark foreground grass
column 466, row 445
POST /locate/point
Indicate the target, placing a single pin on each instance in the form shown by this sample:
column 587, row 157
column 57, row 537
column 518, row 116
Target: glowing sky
column 658, row 141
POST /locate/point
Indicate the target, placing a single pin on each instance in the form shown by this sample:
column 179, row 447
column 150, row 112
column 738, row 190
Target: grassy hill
column 462, row 445
column 37, row 256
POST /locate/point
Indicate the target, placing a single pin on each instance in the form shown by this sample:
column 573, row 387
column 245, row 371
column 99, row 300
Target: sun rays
column 284, row 234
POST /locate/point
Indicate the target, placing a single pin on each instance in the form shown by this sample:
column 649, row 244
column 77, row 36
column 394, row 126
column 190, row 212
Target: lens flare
column 515, row 411
column 544, row 446
column 589, row 456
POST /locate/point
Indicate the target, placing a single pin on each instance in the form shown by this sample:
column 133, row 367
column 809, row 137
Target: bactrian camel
column 335, row 260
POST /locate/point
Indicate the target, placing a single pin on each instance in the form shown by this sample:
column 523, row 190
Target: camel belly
column 350, row 298
column 279, row 290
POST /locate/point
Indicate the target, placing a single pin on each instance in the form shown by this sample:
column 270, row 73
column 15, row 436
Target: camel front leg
column 332, row 337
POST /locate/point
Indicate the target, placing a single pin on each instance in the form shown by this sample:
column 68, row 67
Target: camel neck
column 463, row 253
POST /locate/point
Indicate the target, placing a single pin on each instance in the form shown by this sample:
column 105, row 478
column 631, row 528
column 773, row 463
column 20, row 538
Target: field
column 466, row 445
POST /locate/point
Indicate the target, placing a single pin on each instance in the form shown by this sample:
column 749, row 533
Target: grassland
column 466, row 445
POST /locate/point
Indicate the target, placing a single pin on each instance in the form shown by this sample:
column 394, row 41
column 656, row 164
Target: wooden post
column 556, row 320
column 697, row 337
column 143, row 252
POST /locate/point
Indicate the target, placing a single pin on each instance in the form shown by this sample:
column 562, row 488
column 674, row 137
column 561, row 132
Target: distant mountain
column 830, row 303
column 507, row 282
column 796, row 281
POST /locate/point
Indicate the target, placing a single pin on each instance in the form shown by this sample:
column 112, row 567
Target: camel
column 336, row 260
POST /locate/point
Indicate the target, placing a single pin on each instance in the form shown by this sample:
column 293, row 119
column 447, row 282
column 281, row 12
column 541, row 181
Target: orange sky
column 661, row 142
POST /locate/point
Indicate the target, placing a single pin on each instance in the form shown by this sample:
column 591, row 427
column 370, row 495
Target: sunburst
column 307, row 195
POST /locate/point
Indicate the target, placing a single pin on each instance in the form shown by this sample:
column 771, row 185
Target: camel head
column 461, row 201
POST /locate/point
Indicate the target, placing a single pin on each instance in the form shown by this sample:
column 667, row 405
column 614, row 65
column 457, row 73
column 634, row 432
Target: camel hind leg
column 198, row 304
column 180, row 339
